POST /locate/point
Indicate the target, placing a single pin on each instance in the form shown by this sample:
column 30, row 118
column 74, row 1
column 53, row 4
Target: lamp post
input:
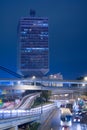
column 33, row 78
column 85, row 79
column 12, row 90
column 41, row 110
column 41, row 100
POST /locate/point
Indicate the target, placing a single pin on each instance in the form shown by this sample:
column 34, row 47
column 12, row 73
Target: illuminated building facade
column 33, row 46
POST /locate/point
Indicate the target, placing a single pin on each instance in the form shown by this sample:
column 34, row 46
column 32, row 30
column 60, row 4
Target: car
column 77, row 118
column 84, row 117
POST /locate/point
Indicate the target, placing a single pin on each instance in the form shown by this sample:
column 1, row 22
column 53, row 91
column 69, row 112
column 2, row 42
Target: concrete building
column 33, row 47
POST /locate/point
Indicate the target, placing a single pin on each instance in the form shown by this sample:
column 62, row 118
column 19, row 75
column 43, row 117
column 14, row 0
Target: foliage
column 34, row 126
column 81, row 78
column 37, row 102
column 29, row 92
column 46, row 95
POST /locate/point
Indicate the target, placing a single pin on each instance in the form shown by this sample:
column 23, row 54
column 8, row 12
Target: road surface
column 53, row 123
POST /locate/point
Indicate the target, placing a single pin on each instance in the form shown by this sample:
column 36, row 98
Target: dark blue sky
column 67, row 33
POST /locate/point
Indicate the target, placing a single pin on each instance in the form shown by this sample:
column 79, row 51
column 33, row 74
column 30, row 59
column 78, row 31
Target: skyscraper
column 33, row 45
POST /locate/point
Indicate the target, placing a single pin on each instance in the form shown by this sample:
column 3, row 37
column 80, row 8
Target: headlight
column 78, row 120
column 74, row 120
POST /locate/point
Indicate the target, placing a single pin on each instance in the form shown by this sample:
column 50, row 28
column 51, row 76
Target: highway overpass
column 66, row 89
column 44, row 84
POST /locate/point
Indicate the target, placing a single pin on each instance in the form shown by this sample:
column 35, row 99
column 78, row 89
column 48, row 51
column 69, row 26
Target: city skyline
column 67, row 34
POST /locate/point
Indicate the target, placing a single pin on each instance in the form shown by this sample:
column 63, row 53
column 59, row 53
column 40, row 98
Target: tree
column 46, row 94
column 82, row 78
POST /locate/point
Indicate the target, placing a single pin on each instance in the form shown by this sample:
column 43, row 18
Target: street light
column 12, row 84
column 85, row 78
column 33, row 78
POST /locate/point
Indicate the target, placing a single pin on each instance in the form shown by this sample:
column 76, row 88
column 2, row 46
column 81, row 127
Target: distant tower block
column 32, row 13
column 33, row 45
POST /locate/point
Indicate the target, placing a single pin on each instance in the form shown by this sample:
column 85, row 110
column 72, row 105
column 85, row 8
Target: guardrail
column 6, row 124
column 6, row 114
column 12, row 118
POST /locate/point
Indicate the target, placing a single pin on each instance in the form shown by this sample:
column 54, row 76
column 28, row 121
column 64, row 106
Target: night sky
column 67, row 34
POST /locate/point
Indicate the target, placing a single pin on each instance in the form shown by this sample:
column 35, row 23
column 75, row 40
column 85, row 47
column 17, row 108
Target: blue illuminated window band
column 37, row 48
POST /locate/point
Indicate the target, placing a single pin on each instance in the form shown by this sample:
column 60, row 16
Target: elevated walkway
column 11, row 120
column 13, row 123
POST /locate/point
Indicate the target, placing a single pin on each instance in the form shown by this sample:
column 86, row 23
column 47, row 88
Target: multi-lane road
column 53, row 123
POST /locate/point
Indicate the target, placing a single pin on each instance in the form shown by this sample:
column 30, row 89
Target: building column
column 14, row 128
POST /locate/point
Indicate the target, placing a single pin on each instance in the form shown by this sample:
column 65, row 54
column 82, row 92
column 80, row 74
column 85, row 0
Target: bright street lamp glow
column 85, row 78
column 19, row 82
column 33, row 77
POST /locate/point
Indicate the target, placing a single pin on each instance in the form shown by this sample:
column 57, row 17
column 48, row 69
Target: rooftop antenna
column 32, row 13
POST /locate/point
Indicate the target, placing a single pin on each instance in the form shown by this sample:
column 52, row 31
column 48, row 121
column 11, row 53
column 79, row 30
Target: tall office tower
column 33, row 45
